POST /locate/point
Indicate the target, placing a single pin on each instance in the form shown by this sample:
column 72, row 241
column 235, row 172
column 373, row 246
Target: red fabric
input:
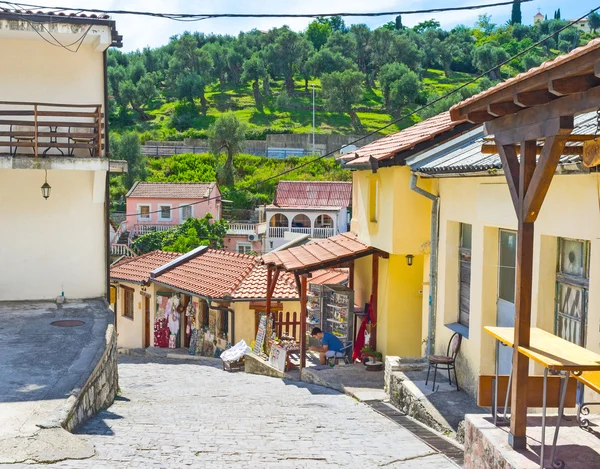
column 360, row 338
column 161, row 333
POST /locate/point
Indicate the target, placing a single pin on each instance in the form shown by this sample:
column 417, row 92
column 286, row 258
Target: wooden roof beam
column 479, row 117
column 491, row 149
column 572, row 85
column 533, row 98
column 563, row 125
column 504, row 108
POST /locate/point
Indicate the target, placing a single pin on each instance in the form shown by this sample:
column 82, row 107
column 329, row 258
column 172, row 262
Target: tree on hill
column 487, row 57
column 515, row 17
column 287, row 54
column 404, row 90
column 594, row 21
column 127, row 147
column 255, row 69
column 229, row 134
column 557, row 14
column 388, row 74
column 317, row 32
column 342, row 91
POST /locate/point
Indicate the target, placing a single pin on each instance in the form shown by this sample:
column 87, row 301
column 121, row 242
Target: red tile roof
column 311, row 256
column 172, row 190
column 329, row 276
column 406, row 139
column 213, row 273
column 313, row 194
column 137, row 269
column 254, row 286
column 101, row 16
column 545, row 67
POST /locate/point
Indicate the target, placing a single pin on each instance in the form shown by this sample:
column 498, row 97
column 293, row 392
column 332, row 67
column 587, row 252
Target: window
column 507, row 271
column 373, row 199
column 143, row 212
column 164, row 212
column 128, row 302
column 464, row 256
column 186, row 212
column 572, row 285
column 244, row 248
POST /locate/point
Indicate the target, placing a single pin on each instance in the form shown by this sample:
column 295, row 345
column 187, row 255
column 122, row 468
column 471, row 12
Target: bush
column 284, row 101
column 183, row 115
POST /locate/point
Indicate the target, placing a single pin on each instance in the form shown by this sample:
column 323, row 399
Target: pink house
column 160, row 205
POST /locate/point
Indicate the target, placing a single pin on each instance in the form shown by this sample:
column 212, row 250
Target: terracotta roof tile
column 214, row 273
column 329, row 276
column 312, row 255
column 406, row 139
column 254, row 286
column 53, row 13
column 172, row 190
column 137, row 269
column 313, row 194
column 546, row 66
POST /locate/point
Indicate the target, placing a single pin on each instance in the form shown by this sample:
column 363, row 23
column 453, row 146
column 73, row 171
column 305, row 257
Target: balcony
column 43, row 130
column 320, row 233
column 242, row 228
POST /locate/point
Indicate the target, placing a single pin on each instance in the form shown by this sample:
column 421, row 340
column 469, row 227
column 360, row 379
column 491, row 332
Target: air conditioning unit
column 252, row 237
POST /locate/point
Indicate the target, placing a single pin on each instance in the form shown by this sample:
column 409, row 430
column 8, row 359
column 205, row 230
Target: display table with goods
column 281, row 350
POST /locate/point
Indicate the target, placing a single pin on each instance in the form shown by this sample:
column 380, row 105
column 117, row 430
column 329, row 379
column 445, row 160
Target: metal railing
column 141, row 229
column 279, row 231
column 323, row 232
column 50, row 129
column 158, row 151
column 301, row 230
column 242, row 228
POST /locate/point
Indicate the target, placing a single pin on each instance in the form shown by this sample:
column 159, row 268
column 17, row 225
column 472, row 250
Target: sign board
column 260, row 334
column 277, row 357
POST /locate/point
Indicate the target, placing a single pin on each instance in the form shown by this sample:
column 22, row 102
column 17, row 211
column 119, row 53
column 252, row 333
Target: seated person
column 330, row 344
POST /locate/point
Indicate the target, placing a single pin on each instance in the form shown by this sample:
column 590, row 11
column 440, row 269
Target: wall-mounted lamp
column 409, row 259
column 46, row 188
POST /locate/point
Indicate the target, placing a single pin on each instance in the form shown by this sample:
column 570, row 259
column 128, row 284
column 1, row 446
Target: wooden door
column 147, row 324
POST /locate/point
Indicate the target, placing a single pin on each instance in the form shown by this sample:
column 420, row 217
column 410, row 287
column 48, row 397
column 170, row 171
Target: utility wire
column 204, row 16
column 399, row 119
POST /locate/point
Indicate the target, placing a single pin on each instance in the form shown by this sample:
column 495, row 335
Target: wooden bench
column 591, row 379
column 535, row 386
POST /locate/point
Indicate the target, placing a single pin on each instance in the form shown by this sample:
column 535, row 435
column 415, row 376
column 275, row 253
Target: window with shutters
column 127, row 302
column 164, row 212
column 186, row 212
column 464, row 275
column 572, row 285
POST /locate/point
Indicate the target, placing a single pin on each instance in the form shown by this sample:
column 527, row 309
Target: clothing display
column 193, row 342
column 161, row 333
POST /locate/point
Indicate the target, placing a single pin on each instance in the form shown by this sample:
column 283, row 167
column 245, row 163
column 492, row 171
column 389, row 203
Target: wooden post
column 374, row 293
column 268, row 302
column 35, row 130
column 99, row 113
column 525, row 240
column 351, row 276
column 303, row 317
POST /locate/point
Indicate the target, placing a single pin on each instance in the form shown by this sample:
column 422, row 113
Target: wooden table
column 554, row 354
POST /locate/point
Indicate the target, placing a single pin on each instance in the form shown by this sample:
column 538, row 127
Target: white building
column 53, row 98
column 319, row 209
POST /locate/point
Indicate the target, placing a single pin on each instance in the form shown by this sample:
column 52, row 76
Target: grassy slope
column 297, row 120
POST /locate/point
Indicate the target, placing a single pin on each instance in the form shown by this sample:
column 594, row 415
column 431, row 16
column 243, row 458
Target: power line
column 399, row 119
column 204, row 16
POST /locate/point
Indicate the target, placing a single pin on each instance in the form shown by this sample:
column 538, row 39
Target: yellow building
column 390, row 213
column 477, row 250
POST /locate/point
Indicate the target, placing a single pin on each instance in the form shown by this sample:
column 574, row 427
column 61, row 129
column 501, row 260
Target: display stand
column 338, row 312
column 314, row 310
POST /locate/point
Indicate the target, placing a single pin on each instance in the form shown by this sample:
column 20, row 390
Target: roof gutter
column 433, row 261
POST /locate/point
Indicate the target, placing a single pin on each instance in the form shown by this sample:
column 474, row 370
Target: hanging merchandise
column 161, row 333
column 193, row 342
column 591, row 148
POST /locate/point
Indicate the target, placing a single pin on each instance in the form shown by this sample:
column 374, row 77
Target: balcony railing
column 323, row 232
column 242, row 228
column 43, row 129
column 279, row 231
column 141, row 229
column 301, row 229
column 121, row 250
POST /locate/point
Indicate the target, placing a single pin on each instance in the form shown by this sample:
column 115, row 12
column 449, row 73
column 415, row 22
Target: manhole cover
column 67, row 323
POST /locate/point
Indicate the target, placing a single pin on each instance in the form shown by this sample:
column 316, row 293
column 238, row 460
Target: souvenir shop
column 184, row 321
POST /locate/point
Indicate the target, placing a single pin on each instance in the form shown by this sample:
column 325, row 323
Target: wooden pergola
column 534, row 107
column 338, row 251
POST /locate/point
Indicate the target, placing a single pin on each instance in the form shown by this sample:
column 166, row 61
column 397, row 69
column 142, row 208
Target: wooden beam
column 572, row 85
column 479, row 117
column 524, row 264
column 563, row 125
column 510, row 163
column 491, row 149
column 269, row 291
column 542, row 177
column 565, row 106
column 502, row 109
column 351, row 276
column 374, row 298
column 533, row 98
column 303, row 317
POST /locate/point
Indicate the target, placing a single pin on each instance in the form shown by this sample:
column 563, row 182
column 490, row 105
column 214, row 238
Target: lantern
column 46, row 188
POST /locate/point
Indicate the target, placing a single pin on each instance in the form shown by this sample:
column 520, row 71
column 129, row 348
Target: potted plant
column 367, row 353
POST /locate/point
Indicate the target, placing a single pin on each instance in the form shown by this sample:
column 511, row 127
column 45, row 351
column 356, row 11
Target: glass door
column 507, row 275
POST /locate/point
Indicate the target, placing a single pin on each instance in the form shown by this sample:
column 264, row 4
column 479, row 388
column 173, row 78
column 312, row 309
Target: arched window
column 279, row 219
column 301, row 221
column 324, row 221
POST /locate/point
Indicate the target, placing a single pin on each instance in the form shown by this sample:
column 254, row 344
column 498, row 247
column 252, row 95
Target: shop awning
column 320, row 254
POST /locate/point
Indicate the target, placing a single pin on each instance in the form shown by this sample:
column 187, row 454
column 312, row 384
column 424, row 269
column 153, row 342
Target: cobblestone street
column 174, row 414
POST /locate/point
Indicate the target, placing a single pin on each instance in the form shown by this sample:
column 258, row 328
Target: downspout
column 433, row 259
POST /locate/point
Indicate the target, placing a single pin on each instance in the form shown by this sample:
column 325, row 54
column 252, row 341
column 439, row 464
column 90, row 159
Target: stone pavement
column 174, row 414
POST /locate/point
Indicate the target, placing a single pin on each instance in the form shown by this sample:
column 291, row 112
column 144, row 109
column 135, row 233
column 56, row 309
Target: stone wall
column 99, row 390
column 479, row 451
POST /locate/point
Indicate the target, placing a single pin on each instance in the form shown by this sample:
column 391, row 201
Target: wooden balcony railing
column 44, row 129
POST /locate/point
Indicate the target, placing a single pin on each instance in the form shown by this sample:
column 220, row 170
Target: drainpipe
column 433, row 259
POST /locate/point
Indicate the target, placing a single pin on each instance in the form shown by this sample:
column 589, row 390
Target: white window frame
column 245, row 244
column 160, row 217
column 139, row 212
column 191, row 207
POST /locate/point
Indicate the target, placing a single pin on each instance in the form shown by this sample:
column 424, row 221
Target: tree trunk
column 203, row 103
column 289, row 84
column 222, row 82
column 267, row 86
column 356, row 123
column 228, row 169
column 306, row 84
column 447, row 70
column 141, row 112
column 256, row 91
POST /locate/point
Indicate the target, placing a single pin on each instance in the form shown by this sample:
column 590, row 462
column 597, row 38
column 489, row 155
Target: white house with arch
column 318, row 209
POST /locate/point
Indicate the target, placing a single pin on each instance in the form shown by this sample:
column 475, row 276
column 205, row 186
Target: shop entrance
column 147, row 325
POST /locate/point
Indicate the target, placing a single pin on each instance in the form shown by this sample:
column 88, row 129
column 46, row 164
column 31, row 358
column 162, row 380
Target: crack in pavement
column 412, row 458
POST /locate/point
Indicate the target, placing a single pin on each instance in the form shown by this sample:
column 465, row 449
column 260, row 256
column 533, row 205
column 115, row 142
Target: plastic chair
column 445, row 362
column 342, row 354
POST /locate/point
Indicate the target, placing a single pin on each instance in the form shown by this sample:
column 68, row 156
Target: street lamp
column 409, row 259
column 46, row 187
column 313, row 129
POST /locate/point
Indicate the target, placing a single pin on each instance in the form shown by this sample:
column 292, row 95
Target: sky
column 139, row 32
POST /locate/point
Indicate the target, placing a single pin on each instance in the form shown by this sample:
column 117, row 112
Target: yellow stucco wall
column 130, row 332
column 571, row 210
column 402, row 227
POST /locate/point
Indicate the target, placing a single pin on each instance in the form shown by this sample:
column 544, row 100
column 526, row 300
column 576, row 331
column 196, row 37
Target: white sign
column 277, row 357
